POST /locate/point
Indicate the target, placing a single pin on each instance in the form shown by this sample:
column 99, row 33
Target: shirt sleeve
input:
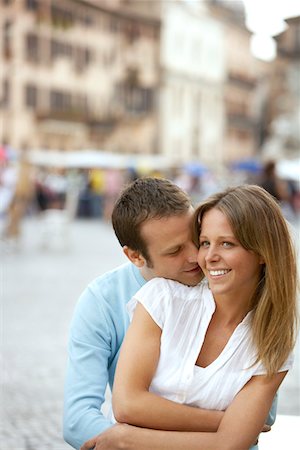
column 155, row 296
column 261, row 370
column 89, row 350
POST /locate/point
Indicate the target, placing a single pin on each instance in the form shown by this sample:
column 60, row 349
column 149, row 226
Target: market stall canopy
column 195, row 168
column 247, row 165
column 289, row 169
column 86, row 159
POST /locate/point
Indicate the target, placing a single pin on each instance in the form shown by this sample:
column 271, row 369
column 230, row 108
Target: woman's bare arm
column 238, row 430
column 244, row 418
column 133, row 403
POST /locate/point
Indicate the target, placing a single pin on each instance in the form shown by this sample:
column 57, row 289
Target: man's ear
column 134, row 256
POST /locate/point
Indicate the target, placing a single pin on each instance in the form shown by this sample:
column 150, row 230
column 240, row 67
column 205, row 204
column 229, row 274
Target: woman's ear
column 134, row 256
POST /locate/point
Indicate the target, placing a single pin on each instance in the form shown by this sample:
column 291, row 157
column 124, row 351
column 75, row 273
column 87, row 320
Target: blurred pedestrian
column 22, row 196
column 278, row 188
column 43, row 193
column 97, row 184
column 8, row 180
column 270, row 181
column 114, row 181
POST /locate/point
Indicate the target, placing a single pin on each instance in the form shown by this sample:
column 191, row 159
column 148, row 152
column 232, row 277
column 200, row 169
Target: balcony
column 62, row 115
column 241, row 80
column 241, row 121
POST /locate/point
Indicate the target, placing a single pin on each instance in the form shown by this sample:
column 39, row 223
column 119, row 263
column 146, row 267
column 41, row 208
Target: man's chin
column 192, row 278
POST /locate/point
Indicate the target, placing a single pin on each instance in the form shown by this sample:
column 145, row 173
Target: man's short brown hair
column 145, row 199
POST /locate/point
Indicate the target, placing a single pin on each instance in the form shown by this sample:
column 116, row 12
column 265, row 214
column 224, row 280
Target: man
column 152, row 221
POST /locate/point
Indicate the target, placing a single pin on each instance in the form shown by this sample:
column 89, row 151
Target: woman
column 223, row 345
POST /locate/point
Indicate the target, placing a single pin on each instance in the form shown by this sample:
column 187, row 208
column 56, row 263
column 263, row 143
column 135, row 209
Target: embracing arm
column 133, row 403
column 239, row 428
column 87, row 374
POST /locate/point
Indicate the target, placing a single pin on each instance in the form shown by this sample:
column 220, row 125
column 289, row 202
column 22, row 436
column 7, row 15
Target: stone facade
column 78, row 75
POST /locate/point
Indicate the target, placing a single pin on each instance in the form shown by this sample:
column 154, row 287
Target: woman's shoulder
column 182, row 293
column 170, row 290
column 175, row 286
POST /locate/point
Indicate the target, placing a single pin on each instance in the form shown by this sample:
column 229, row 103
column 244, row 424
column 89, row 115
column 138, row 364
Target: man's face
column 171, row 250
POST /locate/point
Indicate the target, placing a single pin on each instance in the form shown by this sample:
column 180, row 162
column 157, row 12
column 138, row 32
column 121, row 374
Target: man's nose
column 192, row 253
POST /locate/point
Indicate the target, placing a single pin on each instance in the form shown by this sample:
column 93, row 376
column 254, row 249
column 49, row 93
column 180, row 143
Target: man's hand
column 265, row 429
column 112, row 439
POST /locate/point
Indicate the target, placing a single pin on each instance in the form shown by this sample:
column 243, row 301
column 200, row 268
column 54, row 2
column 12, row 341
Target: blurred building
column 153, row 77
column 211, row 95
column 244, row 75
column 192, row 83
column 281, row 124
column 78, row 74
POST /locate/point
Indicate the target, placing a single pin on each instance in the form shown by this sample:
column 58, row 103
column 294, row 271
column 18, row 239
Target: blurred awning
column 247, row 165
column 86, row 159
column 289, row 169
column 195, row 169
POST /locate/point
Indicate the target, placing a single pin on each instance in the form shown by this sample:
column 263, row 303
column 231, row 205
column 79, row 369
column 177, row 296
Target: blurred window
column 87, row 56
column 80, row 103
column 114, row 25
column 32, row 4
column 5, row 100
column 32, row 47
column 132, row 32
column 60, row 101
column 82, row 58
column 31, row 96
column 60, row 49
column 61, row 17
column 297, row 38
column 88, row 20
column 136, row 100
column 7, row 39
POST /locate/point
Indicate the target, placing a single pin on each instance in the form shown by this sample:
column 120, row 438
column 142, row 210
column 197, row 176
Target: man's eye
column 174, row 252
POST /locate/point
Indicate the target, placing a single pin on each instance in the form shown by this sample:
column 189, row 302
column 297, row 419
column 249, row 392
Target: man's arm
column 273, row 411
column 87, row 372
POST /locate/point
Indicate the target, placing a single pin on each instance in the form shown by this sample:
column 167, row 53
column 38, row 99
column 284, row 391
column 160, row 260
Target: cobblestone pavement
column 40, row 284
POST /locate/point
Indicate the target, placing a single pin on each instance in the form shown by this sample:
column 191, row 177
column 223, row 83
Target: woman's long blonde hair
column 258, row 224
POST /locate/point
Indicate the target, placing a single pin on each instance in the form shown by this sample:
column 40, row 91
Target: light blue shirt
column 97, row 331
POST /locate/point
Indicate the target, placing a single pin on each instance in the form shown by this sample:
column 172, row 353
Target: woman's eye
column 227, row 244
column 204, row 243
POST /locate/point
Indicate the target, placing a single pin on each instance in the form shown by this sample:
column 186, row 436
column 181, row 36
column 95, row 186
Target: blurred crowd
column 91, row 193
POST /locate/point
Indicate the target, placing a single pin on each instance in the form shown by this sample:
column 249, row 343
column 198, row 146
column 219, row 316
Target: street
column 40, row 283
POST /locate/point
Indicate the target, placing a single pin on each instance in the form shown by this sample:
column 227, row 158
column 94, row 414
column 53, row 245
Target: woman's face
column 231, row 270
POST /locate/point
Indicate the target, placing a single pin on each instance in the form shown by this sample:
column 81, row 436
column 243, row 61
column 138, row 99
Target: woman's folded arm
column 132, row 401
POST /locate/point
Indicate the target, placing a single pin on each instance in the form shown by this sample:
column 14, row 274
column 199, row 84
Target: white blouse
column 184, row 313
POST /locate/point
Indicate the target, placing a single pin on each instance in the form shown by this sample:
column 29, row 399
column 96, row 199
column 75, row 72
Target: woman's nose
column 211, row 254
